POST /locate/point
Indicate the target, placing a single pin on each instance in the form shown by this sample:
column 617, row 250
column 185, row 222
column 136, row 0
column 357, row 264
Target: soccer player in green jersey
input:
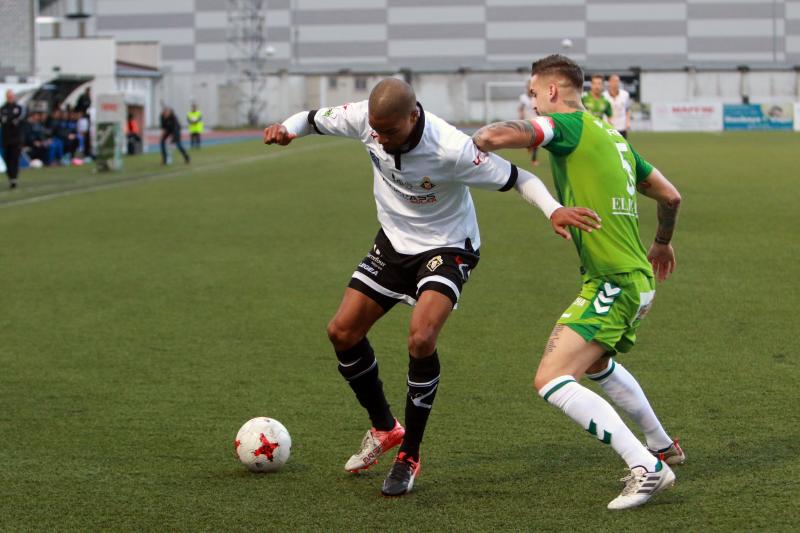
column 594, row 166
column 595, row 103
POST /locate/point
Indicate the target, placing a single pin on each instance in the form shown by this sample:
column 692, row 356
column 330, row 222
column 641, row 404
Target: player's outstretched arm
column 508, row 134
column 534, row 192
column 277, row 134
column 661, row 255
column 295, row 126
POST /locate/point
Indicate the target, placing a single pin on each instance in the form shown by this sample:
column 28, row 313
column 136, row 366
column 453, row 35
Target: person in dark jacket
column 171, row 128
column 82, row 107
column 84, row 102
column 12, row 125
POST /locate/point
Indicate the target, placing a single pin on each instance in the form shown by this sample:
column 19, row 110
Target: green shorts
column 609, row 309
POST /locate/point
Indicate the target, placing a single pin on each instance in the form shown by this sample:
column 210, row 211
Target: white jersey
column 619, row 108
column 422, row 193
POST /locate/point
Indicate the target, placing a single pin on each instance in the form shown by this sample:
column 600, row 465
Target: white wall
column 95, row 57
column 145, row 53
column 455, row 97
column 720, row 86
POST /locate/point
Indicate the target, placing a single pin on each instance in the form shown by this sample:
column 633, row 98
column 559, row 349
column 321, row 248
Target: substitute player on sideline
column 620, row 101
column 594, row 166
column 423, row 254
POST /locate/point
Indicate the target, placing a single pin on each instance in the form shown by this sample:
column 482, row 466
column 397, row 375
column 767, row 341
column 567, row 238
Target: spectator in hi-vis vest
column 195, row 119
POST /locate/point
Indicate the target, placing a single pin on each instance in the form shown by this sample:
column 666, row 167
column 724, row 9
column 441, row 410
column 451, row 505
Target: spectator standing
column 195, row 119
column 133, row 135
column 84, row 102
column 620, row 101
column 84, row 135
column 171, row 128
column 11, row 123
column 83, row 105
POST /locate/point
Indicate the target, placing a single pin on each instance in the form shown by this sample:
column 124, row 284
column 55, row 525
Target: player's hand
column 579, row 217
column 277, row 134
column 662, row 257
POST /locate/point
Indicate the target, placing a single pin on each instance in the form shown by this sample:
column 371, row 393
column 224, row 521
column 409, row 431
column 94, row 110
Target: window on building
column 332, row 82
column 361, row 83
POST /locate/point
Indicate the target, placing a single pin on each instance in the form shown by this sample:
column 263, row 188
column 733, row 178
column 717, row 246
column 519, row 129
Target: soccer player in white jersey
column 620, row 101
column 423, row 254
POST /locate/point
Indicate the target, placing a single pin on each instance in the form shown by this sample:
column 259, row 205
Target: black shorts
column 388, row 276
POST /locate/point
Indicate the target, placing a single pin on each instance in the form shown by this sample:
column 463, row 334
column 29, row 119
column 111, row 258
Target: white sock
column 597, row 417
column 627, row 394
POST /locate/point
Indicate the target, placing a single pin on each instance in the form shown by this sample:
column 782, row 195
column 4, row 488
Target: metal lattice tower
column 249, row 52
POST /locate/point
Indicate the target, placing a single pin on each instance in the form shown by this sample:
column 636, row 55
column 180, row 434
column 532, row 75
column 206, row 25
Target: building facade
column 309, row 52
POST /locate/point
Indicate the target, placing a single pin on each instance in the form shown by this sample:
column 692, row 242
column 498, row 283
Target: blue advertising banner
column 757, row 116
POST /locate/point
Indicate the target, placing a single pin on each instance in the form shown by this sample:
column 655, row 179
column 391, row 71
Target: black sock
column 423, row 380
column 360, row 368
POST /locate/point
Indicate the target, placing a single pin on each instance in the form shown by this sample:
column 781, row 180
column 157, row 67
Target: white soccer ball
column 566, row 42
column 263, row 444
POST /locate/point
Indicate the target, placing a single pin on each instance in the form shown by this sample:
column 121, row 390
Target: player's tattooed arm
column 508, row 134
column 657, row 187
column 661, row 255
column 667, row 216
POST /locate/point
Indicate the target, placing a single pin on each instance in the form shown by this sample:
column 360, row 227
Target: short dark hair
column 561, row 65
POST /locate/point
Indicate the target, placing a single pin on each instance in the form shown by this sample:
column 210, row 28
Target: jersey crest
column 435, row 263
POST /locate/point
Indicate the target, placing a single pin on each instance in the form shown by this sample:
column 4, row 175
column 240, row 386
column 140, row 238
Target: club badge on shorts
column 435, row 263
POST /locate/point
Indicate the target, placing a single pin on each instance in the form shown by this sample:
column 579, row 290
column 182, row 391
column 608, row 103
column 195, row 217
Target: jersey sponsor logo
column 369, row 269
column 427, row 184
column 624, row 207
column 417, row 200
column 435, row 263
column 329, row 113
column 375, row 260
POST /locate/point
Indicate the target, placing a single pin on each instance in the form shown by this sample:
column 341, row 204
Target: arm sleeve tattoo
column 667, row 216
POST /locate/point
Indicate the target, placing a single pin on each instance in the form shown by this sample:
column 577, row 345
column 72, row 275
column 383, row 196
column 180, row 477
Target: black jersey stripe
column 311, row 115
column 512, row 179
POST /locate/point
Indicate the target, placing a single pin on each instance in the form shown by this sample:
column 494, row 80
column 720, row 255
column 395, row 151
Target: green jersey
column 597, row 106
column 594, row 166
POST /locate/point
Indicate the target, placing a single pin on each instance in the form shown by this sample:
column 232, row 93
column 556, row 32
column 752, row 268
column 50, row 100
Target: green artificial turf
column 148, row 314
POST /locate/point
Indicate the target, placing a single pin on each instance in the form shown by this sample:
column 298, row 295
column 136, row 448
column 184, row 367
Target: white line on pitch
column 123, row 182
